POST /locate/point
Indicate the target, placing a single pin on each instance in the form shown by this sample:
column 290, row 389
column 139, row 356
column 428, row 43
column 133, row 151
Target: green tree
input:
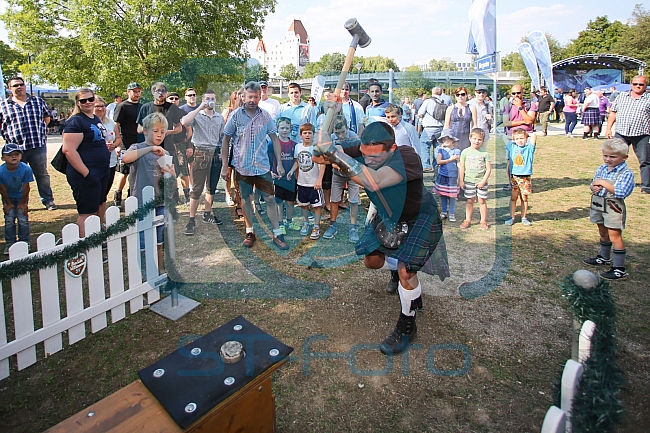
column 11, row 61
column 376, row 64
column 332, row 64
column 415, row 81
column 635, row 40
column 598, row 38
column 442, row 65
column 110, row 43
column 289, row 72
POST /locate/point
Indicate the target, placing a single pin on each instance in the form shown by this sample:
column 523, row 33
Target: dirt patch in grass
column 517, row 335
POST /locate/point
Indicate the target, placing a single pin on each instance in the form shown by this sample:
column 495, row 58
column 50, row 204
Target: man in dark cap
column 406, row 234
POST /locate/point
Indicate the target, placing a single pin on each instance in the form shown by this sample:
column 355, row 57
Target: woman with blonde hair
column 88, row 154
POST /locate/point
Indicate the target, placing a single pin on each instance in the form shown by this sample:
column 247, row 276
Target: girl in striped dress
column 447, row 180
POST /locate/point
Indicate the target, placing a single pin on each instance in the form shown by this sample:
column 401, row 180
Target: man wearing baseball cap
column 15, row 177
column 484, row 110
column 270, row 105
column 126, row 119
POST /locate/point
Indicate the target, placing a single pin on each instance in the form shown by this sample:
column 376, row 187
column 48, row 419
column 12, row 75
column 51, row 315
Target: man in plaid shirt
column 247, row 129
column 23, row 120
column 631, row 112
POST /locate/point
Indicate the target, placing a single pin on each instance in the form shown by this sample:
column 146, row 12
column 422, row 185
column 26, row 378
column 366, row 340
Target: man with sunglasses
column 518, row 113
column 23, row 120
column 270, row 105
column 631, row 112
column 484, row 110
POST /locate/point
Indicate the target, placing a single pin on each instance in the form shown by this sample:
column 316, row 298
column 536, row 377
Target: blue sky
column 415, row 30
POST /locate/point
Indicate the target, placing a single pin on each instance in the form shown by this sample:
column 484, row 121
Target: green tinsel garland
column 28, row 264
column 597, row 406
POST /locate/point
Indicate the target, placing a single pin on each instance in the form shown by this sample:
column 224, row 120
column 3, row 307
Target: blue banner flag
column 527, row 55
column 539, row 44
column 482, row 27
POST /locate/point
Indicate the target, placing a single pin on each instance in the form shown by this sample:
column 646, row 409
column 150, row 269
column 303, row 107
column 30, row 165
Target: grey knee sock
column 619, row 258
column 605, row 250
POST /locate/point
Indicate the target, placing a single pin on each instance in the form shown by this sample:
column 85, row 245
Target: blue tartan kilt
column 591, row 116
column 423, row 249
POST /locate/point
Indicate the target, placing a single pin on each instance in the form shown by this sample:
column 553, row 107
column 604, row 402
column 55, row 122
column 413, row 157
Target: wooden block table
column 135, row 408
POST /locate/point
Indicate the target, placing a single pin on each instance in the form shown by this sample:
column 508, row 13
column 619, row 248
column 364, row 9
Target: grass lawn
column 517, row 329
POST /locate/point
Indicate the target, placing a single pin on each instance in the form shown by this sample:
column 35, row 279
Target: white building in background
column 293, row 50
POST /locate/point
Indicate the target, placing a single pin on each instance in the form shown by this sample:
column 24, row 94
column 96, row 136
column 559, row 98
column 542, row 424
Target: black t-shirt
column 400, row 202
column 92, row 150
column 544, row 103
column 126, row 114
column 173, row 115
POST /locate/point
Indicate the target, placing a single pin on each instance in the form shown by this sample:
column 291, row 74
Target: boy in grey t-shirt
column 145, row 170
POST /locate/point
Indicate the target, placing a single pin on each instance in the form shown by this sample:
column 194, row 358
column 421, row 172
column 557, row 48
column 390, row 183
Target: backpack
column 439, row 110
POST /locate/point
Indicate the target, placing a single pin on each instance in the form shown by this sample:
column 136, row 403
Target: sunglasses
column 86, row 100
column 18, row 85
column 516, row 93
column 461, row 94
column 190, row 96
column 173, row 98
column 634, row 84
column 481, row 91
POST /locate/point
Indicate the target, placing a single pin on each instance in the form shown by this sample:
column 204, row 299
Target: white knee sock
column 406, row 296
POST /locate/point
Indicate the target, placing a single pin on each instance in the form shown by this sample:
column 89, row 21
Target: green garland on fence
column 597, row 406
column 28, row 264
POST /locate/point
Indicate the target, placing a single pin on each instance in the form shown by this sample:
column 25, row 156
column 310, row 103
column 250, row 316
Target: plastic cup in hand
column 211, row 105
column 164, row 161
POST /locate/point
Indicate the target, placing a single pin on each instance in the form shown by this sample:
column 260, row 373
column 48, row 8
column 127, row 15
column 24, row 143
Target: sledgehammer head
column 355, row 29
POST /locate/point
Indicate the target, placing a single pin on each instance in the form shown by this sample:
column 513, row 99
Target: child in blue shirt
column 447, row 157
column 521, row 153
column 612, row 182
column 15, row 177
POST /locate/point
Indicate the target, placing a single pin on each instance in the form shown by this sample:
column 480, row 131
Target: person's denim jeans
column 10, row 224
column 429, row 140
column 37, row 160
column 571, row 122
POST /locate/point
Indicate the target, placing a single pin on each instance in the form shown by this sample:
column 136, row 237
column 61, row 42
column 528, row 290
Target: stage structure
column 592, row 70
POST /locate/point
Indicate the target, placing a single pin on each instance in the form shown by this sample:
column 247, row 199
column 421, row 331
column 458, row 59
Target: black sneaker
column 391, row 287
column 597, row 261
column 51, row 206
column 189, row 228
column 614, row 274
column 209, row 218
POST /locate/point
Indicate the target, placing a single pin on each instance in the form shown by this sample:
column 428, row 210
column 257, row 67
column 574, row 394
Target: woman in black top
column 88, row 156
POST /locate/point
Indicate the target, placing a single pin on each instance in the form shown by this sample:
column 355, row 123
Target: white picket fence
column 558, row 419
column 83, row 302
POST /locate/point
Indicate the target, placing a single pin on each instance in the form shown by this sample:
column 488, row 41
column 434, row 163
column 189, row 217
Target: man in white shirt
column 484, row 111
column 270, row 105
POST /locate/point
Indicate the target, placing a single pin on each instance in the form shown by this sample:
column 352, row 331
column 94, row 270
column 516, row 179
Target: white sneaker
column 452, row 218
column 443, row 215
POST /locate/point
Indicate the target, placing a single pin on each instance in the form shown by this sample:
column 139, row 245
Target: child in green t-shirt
column 473, row 172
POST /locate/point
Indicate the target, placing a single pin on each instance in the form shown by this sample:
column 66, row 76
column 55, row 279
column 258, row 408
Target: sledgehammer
column 359, row 38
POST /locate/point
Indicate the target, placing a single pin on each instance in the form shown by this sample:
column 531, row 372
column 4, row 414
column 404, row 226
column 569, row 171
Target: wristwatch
column 521, row 108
